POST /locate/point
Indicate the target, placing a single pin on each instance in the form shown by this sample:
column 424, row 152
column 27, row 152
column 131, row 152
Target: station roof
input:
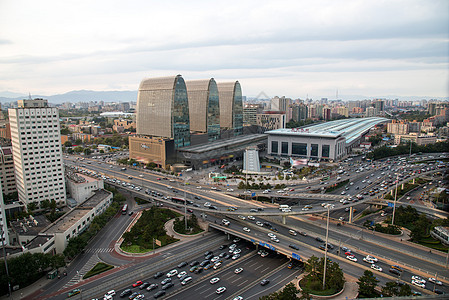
column 351, row 129
column 218, row 144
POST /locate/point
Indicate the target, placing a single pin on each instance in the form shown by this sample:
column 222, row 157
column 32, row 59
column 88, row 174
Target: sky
column 295, row 48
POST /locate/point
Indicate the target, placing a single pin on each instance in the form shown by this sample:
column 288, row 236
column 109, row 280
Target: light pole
column 395, row 196
column 325, row 250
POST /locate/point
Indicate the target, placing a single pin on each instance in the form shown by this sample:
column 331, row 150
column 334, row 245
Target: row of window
column 300, row 149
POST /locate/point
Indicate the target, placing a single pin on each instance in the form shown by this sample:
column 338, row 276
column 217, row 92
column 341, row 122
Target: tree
column 367, row 284
column 31, row 206
column 68, row 144
column 392, row 289
column 289, row 292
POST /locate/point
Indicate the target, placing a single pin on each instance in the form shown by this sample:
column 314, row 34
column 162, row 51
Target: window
column 274, row 147
column 314, row 150
column 299, row 149
column 326, row 150
column 284, row 148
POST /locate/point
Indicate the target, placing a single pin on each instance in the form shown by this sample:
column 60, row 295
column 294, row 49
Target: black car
column 395, row 272
column 165, row 281
column 157, row 275
column 213, row 207
column 319, row 239
column 264, row 282
column 167, row 286
column 199, row 270
column 182, row 265
column 267, row 224
column 204, row 263
column 209, row 256
column 293, row 247
column 194, row 263
column 223, row 247
column 144, row 285
column 227, row 256
column 159, row 294
column 208, row 253
column 152, row 287
column 133, row 295
column 125, row 293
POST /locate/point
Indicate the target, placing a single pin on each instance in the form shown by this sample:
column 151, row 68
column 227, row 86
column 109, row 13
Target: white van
column 281, row 207
column 292, row 232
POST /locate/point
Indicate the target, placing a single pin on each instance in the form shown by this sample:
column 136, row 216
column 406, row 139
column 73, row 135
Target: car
column 193, row 269
column 302, row 233
column 263, row 254
column 159, row 294
column 152, row 286
column 293, row 246
column 111, row 293
column 138, row 297
column 250, row 218
column 237, row 251
column 137, row 283
column 275, row 240
column 165, row 281
column 183, row 277
column 434, row 280
column 157, row 275
column 418, row 278
column 167, row 286
column 376, row 267
column 217, row 265
column 182, row 265
column 125, row 293
column 271, row 235
column 214, row 280
column 258, row 223
column 220, row 290
column 396, row 267
column 186, row 280
column 419, row 284
column 351, row 258
column 264, row 282
column 290, row 265
column 204, row 263
column 199, row 270
column 215, row 259
column 235, row 256
column 349, row 252
column 241, row 217
column 395, row 272
column 292, row 232
column 181, row 274
column 133, row 295
column 238, row 298
column 368, row 260
column 372, row 258
column 73, row 292
column 194, row 263
column 236, row 240
column 238, row 270
column 207, row 267
column 172, row 273
column 319, row 239
column 144, row 285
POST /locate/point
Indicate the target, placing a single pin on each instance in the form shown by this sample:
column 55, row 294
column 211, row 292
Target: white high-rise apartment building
column 37, row 152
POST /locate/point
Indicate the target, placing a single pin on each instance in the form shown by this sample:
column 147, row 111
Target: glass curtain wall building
column 204, row 107
column 163, row 109
column 231, row 108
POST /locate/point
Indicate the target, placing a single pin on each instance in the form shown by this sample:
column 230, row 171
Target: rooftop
column 67, row 221
column 219, row 144
column 97, row 197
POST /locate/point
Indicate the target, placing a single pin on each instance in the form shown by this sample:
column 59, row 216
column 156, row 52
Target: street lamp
column 325, row 250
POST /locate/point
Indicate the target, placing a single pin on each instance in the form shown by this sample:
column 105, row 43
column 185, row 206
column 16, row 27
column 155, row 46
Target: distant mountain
column 77, row 96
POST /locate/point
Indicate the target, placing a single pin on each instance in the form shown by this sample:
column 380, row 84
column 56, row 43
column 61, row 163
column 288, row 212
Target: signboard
column 158, row 242
column 253, row 194
column 296, row 256
column 266, row 245
column 390, row 204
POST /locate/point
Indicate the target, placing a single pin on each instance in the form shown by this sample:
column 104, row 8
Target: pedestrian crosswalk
column 79, row 274
column 99, row 250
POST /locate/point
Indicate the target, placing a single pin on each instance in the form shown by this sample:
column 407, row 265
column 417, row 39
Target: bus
column 125, row 209
column 181, row 200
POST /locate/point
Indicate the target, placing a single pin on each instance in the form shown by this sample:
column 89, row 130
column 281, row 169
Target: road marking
column 258, row 268
column 243, row 282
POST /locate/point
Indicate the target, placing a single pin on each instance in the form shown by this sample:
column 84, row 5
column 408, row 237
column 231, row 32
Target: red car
column 137, row 283
column 349, row 253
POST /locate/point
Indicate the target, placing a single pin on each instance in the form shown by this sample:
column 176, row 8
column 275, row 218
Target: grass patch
column 432, row 243
column 314, row 287
column 141, row 201
column 97, row 269
column 136, row 249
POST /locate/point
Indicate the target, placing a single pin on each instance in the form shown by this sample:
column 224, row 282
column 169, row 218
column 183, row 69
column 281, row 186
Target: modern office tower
column 3, row 223
column 204, row 107
column 231, row 107
column 7, row 176
column 163, row 109
column 37, row 152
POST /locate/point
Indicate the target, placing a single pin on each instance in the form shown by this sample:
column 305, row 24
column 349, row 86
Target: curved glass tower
column 231, row 108
column 163, row 109
column 204, row 107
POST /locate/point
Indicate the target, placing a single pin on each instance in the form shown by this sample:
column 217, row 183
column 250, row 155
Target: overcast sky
column 292, row 48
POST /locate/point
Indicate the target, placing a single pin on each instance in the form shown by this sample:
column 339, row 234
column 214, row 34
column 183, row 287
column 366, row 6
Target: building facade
column 231, row 106
column 3, row 222
column 204, row 107
column 80, row 186
column 271, row 120
column 148, row 149
column 7, row 174
column 163, row 109
column 37, row 152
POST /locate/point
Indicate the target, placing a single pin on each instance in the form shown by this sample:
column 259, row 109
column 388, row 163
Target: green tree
column 78, row 149
column 45, row 204
column 68, row 144
column 367, row 284
column 289, row 292
column 32, row 206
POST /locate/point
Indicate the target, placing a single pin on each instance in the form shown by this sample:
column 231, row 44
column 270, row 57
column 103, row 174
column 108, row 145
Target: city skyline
column 294, row 48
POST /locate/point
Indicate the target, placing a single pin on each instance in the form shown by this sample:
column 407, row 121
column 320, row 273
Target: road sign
column 390, row 204
column 296, row 256
column 253, row 194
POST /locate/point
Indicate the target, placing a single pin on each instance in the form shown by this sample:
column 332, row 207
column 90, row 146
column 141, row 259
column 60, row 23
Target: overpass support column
column 284, row 219
column 413, row 180
column 351, row 212
column 229, row 236
column 391, row 193
column 402, row 186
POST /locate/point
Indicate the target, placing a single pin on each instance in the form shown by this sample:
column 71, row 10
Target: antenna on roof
column 29, row 96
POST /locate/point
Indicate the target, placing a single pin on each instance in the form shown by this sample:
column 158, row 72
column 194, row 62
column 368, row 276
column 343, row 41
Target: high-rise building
column 204, row 107
column 7, row 176
column 37, row 152
column 299, row 112
column 280, row 103
column 3, row 224
column 231, row 107
column 250, row 112
column 163, row 109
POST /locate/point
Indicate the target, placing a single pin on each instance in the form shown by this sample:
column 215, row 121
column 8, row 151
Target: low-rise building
column 80, row 186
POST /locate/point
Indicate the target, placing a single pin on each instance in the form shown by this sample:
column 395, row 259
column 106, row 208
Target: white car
column 419, row 283
column 367, row 260
column 207, row 204
column 351, row 258
column 182, row 274
column 376, row 267
column 216, row 258
column 217, row 265
column 237, row 251
column 271, row 235
column 110, row 294
column 220, row 290
column 418, row 279
column 246, row 229
column 251, row 218
column 241, row 217
column 235, row 256
column 258, row 223
column 434, row 280
column 214, row 280
column 372, row 258
column 172, row 273
column 275, row 240
column 238, row 270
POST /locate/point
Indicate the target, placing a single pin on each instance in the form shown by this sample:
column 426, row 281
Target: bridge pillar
column 413, row 180
column 351, row 212
column 402, row 186
column 391, row 193
column 284, row 219
column 229, row 236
